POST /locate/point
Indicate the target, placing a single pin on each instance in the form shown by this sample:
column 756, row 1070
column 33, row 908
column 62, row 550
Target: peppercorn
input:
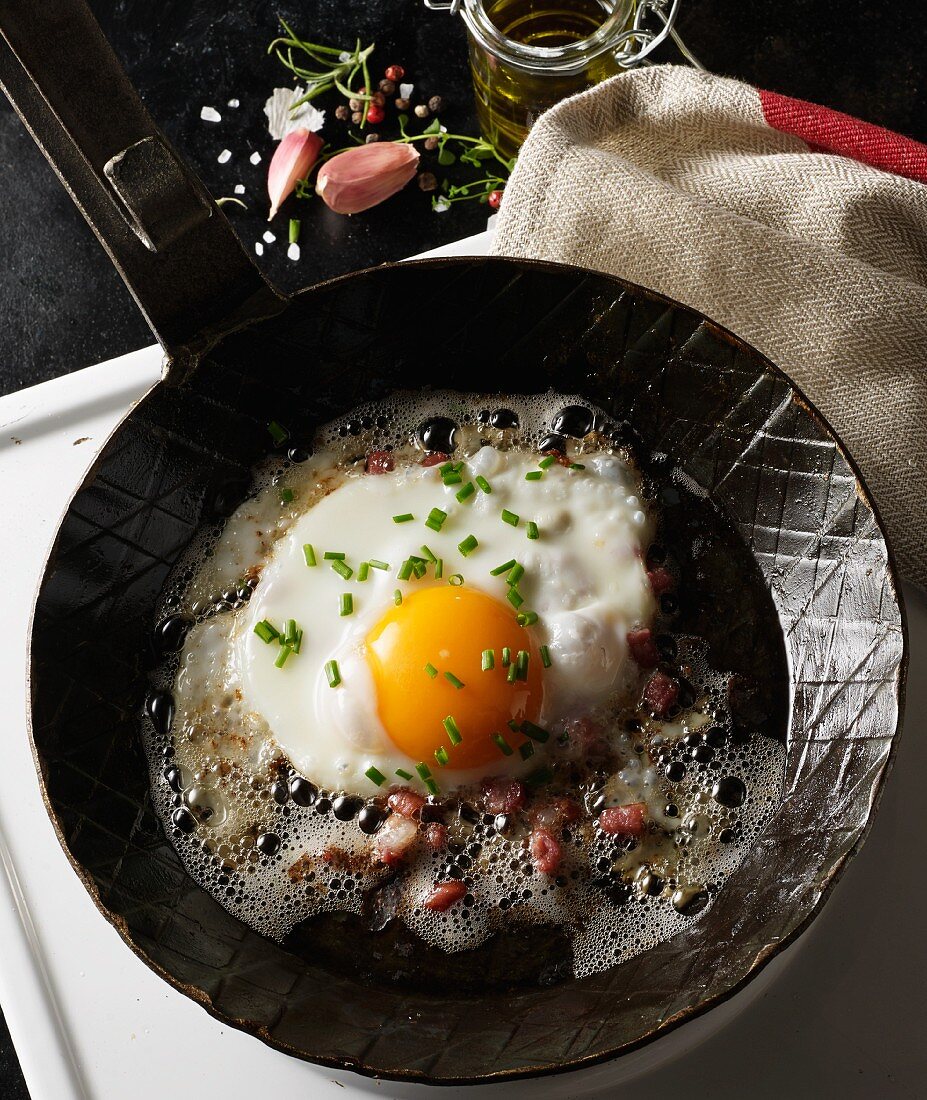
column 421, row 111
column 427, row 181
column 343, row 113
column 394, row 72
column 495, row 198
column 435, row 104
column 356, row 104
column 357, row 118
column 378, row 99
column 370, row 138
column 403, row 104
column 431, row 143
column 388, row 87
column 375, row 114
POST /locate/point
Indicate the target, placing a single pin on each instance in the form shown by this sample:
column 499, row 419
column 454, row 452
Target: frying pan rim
column 766, row 955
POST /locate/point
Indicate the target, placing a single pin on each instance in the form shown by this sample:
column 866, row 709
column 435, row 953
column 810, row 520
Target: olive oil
column 537, row 59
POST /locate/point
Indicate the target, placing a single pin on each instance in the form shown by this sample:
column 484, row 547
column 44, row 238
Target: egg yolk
column 449, row 628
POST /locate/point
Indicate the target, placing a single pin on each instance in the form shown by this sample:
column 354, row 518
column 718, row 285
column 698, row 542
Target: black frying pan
column 240, row 355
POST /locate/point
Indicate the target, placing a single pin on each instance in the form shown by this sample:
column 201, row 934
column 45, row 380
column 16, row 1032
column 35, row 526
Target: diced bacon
column 435, row 835
column 503, row 796
column 661, row 580
column 379, row 462
column 406, row 802
column 661, row 692
column 444, row 895
column 642, row 648
column 545, row 851
column 560, row 457
column 396, row 836
column 585, row 740
column 435, row 458
column 556, row 813
column 624, row 820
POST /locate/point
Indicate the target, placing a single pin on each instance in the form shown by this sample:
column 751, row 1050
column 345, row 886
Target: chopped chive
column 285, row 651
column 452, row 679
column 446, row 468
column 468, row 545
column 375, row 564
column 453, row 733
column 455, row 579
column 333, row 673
column 363, row 570
column 506, row 656
column 298, row 643
column 515, row 575
column 532, row 530
column 436, row 519
column 465, row 492
column 441, row 756
column 343, row 569
column 526, row 750
column 452, row 478
column 431, row 786
column 334, row 555
column 266, row 632
column 509, row 517
column 286, row 496
column 547, row 461
column 526, row 618
column 514, row 726
column 419, row 568
column 423, row 770
column 515, row 598
column 346, row 604
column 294, row 230
column 431, row 670
column 489, row 660
column 577, row 466
column 536, row 733
column 429, row 555
column 439, row 569
column 403, row 774
column 375, row 775
column 404, row 518
column 521, row 665
column 512, row 675
column 277, row 432
column 483, row 483
column 397, row 597
column 539, row 777
column 534, row 475
column 289, row 632
column 545, row 656
column 504, row 568
column 309, row 553
column 405, row 570
column 502, row 743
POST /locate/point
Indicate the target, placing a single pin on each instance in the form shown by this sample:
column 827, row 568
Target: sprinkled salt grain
column 405, row 91
column 269, row 237
column 638, row 519
column 210, row 114
column 345, row 56
column 225, row 156
column 441, row 205
column 282, row 118
column 234, row 103
column 255, row 158
column 258, row 248
column 239, row 188
column 293, row 252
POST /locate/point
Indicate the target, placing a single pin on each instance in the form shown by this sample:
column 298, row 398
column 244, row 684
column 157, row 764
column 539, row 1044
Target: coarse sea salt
column 239, row 188
column 405, row 91
column 225, row 156
column 258, row 248
column 293, row 252
column 269, row 237
column 210, row 114
column 255, row 158
column 282, row 118
column 234, row 103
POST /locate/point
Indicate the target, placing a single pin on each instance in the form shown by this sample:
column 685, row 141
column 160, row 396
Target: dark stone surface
column 64, row 307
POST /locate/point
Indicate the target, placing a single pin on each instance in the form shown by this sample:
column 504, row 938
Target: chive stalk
column 545, row 656
column 343, row 569
column 375, row 775
column 468, row 545
column 346, row 604
column 309, row 554
column 531, row 529
column 266, row 632
column 504, row 568
column 489, row 660
column 483, row 483
column 332, row 673
column 450, row 728
column 404, row 518
column 503, row 745
column 510, row 518
column 452, row 679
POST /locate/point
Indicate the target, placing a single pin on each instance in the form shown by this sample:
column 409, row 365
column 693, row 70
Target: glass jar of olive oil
column 527, row 55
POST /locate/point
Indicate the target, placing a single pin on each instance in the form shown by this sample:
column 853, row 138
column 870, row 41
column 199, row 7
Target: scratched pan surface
column 729, row 419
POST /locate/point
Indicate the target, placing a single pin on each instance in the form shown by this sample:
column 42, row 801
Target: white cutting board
column 839, row 1014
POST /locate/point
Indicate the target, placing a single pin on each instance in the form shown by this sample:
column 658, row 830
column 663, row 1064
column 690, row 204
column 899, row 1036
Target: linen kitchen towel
column 802, row 230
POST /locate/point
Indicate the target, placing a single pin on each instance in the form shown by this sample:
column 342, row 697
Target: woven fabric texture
column 676, row 180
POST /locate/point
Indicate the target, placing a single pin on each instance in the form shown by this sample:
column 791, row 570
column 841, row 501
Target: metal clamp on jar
column 527, row 55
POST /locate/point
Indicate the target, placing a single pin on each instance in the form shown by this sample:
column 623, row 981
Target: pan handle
column 168, row 239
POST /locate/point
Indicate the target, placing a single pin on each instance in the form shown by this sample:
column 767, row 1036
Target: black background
column 63, row 306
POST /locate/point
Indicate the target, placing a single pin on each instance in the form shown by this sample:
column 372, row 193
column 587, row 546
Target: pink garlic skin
column 292, row 159
column 360, row 178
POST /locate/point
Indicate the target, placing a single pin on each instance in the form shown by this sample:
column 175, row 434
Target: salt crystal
column 441, row 205
column 210, row 114
column 255, row 158
column 239, row 188
column 345, row 56
column 282, row 118
column 269, row 237
column 405, row 91
column 293, row 252
column 225, row 156
column 258, row 248
column 234, row 103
